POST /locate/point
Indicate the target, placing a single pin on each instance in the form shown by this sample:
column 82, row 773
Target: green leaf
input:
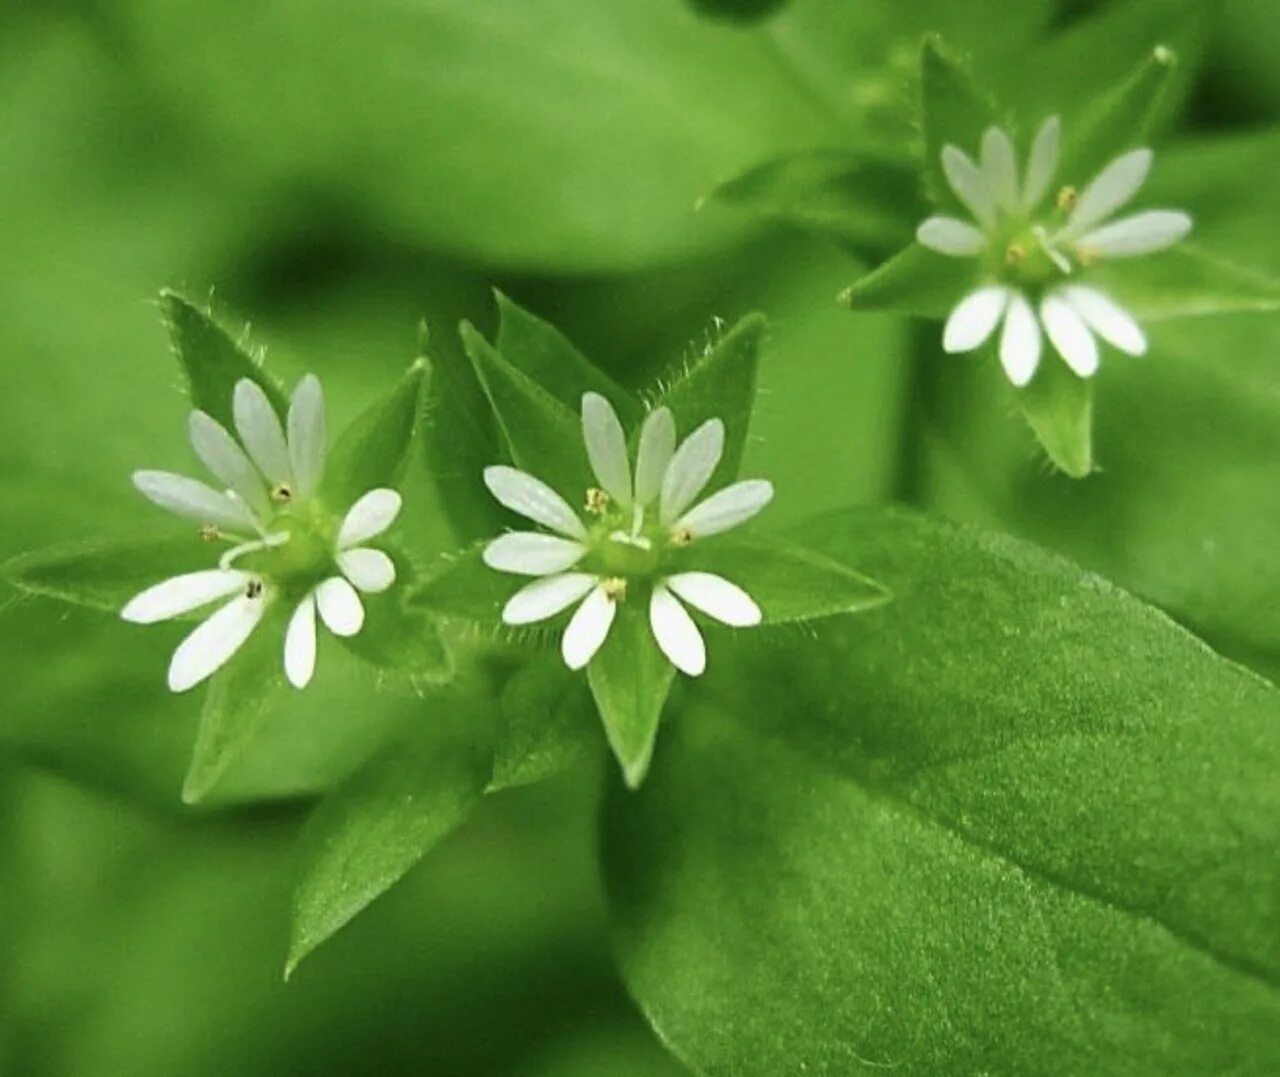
column 1014, row 822
column 790, row 583
column 955, row 110
column 212, row 360
column 364, row 837
column 630, row 680
column 916, row 281
column 462, row 586
column 373, row 450
column 543, row 436
column 1185, row 281
column 105, row 573
column 548, row 723
column 400, row 638
column 1059, row 407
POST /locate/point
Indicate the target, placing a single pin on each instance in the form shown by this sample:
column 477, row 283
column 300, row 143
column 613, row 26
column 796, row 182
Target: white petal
column 182, row 594
column 1114, row 186
column 974, row 319
column 677, row 635
column 196, row 501
column 211, row 645
column 533, row 499
column 259, row 429
column 546, row 597
column 716, row 597
column 371, row 571
column 690, row 469
column 727, row 508
column 588, row 628
column 1107, row 318
column 1070, row 335
column 300, row 643
column 227, row 462
column 530, row 553
column 369, row 517
column 1142, row 233
column 657, row 446
column 1000, row 168
column 1020, row 343
column 606, row 447
column 970, row 185
column 950, row 236
column 1043, row 162
column 307, row 435
column 340, row 606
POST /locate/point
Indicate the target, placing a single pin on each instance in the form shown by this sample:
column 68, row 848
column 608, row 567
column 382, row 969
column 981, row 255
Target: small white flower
column 268, row 507
column 641, row 521
column 1034, row 256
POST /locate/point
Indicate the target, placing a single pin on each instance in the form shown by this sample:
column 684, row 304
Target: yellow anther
column 1068, row 197
column 253, row 589
column 1015, row 255
column 282, row 492
column 597, row 501
column 615, row 589
column 209, row 533
column 681, row 536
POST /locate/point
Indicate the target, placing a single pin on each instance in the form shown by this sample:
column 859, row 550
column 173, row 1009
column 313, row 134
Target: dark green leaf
column 461, row 585
column 1014, row 822
column 548, row 723
column 955, row 111
column 1059, row 407
column 917, row 281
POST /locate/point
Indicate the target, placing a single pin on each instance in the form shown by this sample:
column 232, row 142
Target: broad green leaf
column 211, row 360
column 1059, row 407
column 955, row 110
column 364, row 837
column 462, row 586
column 630, row 680
column 105, row 573
column 789, row 582
column 916, row 281
column 1014, row 822
column 548, row 723
column 237, row 701
column 1187, row 281
column 400, row 639
column 539, row 350
column 543, row 436
column 374, row 450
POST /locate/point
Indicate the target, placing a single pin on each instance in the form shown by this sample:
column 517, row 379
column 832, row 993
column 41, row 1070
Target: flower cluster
column 1034, row 256
column 286, row 545
column 637, row 526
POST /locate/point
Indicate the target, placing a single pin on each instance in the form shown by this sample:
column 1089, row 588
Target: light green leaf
column 630, row 680
column 1014, row 822
column 955, row 110
column 1185, row 281
column 916, row 281
column 212, row 360
column 365, row 836
column 1059, row 407
column 548, row 723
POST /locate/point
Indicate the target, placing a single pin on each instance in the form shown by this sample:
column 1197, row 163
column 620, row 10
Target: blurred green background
column 333, row 171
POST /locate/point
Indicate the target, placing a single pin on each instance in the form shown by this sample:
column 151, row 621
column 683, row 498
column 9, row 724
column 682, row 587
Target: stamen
column 210, row 533
column 1015, row 255
column 267, row 542
column 282, row 493
column 1068, row 197
column 681, row 536
column 253, row 589
column 615, row 589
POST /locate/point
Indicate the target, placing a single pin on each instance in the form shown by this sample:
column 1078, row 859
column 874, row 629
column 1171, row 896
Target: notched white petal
column 1107, row 318
column 307, row 435
column 1069, row 335
column 533, row 499
column 727, row 508
column 716, row 597
column 214, row 641
column 1043, row 162
column 657, row 446
column 181, row 594
column 1000, row 168
column 690, row 469
column 259, row 428
column 678, row 637
column 371, row 515
column 369, row 570
column 1020, row 342
column 974, row 319
column 300, row 644
column 546, row 597
column 969, row 185
column 340, row 607
column 196, row 501
column 588, row 628
column 1141, row 233
column 951, row 236
column 228, row 462
column 531, row 553
column 1114, row 186
column 606, row 447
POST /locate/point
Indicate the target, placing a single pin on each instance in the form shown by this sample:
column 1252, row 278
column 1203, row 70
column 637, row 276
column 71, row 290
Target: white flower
column 1033, row 256
column 641, row 522
column 270, row 509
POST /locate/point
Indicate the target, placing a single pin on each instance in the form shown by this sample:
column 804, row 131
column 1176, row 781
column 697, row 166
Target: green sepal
column 542, row 435
column 630, row 679
column 398, row 639
column 373, row 450
column 462, row 586
column 955, row 110
column 1185, row 281
column 103, row 574
column 365, row 836
column 915, row 281
column 1059, row 407
column 547, row 723
column 212, row 361
column 788, row 582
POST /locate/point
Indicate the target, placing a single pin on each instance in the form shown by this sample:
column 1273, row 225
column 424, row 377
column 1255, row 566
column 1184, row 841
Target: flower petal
column 588, row 628
column 606, row 447
column 951, row 236
column 1042, row 163
column 1000, row 168
column 678, row 637
column 716, row 597
column 970, row 185
column 369, row 517
column 228, row 462
column 546, row 597
column 533, row 499
column 340, row 606
column 657, row 446
column 531, row 553
column 690, row 469
column 181, row 594
column 371, row 571
column 307, row 435
column 300, row 643
column 195, row 500
column 1070, row 335
column 1141, row 233
column 214, row 641
column 1107, row 318
column 1020, row 343
column 259, row 428
column 974, row 319
column 1114, row 186
column 727, row 508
